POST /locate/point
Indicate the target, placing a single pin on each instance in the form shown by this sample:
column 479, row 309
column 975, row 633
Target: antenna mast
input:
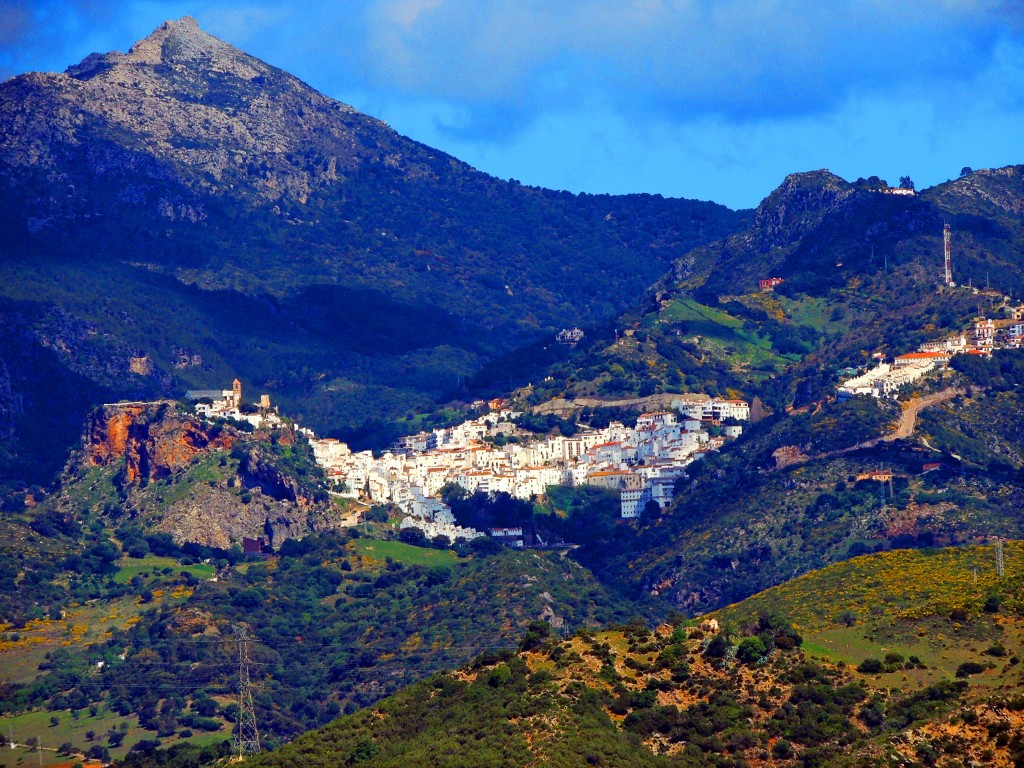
column 248, row 733
column 947, row 247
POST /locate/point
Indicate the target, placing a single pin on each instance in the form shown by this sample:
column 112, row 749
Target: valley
column 318, row 442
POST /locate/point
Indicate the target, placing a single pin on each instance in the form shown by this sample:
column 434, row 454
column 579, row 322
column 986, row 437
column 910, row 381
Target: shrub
column 782, row 750
column 870, row 667
column 501, row 675
column 718, row 648
column 969, row 668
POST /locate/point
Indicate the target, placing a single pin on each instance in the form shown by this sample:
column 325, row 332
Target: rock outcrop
column 153, row 439
column 165, row 465
column 796, row 207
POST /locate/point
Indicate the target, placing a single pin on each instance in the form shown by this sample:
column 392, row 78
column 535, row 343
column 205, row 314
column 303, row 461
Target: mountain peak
column 180, row 41
column 796, row 205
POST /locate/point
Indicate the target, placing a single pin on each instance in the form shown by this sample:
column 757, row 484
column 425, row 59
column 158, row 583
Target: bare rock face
column 152, row 439
column 182, row 110
column 156, row 451
column 215, row 517
column 988, row 191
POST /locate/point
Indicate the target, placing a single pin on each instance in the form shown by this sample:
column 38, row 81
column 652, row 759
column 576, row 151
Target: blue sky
column 709, row 99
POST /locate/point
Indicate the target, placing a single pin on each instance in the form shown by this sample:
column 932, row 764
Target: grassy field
column 723, row 332
column 688, row 310
column 816, row 313
column 129, row 568
column 68, row 730
column 81, row 625
column 376, row 549
column 74, row 731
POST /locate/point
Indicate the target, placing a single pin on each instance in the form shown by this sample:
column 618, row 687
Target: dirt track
column 904, row 428
column 908, row 420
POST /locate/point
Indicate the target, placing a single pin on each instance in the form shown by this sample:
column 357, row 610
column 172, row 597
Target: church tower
column 236, row 393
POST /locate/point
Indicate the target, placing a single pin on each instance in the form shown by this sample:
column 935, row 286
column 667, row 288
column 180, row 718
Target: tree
column 966, row 171
column 652, row 509
column 751, row 649
column 413, row 536
column 718, row 647
column 98, row 752
column 906, row 182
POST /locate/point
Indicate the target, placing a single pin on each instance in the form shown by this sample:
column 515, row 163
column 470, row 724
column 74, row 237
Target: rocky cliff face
column 153, row 440
column 203, row 483
column 219, row 517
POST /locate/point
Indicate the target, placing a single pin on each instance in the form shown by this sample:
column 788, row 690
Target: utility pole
column 248, row 733
column 999, row 558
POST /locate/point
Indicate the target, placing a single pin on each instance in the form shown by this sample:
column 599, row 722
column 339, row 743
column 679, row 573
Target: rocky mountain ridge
column 194, row 115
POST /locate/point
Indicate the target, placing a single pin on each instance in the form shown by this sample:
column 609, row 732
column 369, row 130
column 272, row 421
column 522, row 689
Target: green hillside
column 929, row 679
column 337, row 622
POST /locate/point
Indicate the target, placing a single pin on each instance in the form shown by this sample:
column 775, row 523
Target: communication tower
column 947, row 248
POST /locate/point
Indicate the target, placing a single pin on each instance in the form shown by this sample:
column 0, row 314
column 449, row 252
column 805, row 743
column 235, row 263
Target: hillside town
column 642, row 463
column 987, row 335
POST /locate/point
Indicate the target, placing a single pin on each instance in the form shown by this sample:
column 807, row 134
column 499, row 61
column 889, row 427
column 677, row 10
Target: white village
column 987, row 335
column 642, row 463
column 886, row 379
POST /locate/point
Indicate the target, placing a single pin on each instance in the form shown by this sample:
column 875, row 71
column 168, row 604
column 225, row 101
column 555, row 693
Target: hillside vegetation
column 337, row 622
column 860, row 272
column 932, row 679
